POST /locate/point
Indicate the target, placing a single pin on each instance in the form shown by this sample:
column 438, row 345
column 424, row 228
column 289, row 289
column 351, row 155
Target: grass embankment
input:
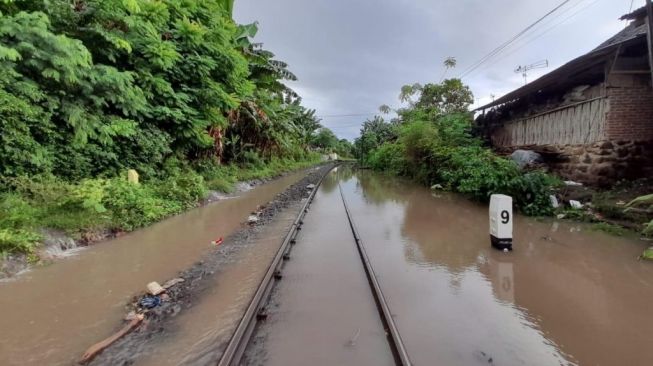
column 30, row 204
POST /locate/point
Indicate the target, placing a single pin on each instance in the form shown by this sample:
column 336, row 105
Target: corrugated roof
column 597, row 55
column 630, row 32
column 639, row 13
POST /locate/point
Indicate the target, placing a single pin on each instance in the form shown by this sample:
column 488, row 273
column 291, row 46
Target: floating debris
column 575, row 204
column 153, row 288
column 173, row 282
column 150, row 302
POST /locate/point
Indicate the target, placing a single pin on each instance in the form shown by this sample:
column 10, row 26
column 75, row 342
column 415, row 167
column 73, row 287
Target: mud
column 197, row 279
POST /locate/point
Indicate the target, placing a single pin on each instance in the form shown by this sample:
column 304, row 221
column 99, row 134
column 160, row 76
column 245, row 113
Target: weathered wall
column 579, row 123
column 602, row 163
column 597, row 141
column 630, row 116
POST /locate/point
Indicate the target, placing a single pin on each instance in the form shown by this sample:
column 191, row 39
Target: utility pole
column 649, row 12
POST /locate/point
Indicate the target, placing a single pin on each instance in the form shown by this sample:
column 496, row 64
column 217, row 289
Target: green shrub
column 136, row 205
column 62, row 205
column 644, row 201
column 23, row 241
column 531, row 192
column 443, row 152
column 390, row 158
column 251, row 159
column 187, row 189
column 473, row 171
column 17, row 222
column 16, row 212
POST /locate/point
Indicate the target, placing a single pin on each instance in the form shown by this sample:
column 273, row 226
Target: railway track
column 256, row 310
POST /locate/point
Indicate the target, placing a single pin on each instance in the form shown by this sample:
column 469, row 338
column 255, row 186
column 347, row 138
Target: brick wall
column 630, row 115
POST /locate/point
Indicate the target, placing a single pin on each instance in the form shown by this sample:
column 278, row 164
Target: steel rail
column 256, row 309
column 396, row 343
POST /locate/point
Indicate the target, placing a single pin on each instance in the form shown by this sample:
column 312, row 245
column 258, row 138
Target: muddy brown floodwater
column 323, row 310
column 50, row 315
column 199, row 335
column 566, row 295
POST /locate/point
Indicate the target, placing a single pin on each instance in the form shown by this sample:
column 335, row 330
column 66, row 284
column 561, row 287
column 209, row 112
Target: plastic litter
column 216, row 242
column 575, row 204
column 252, row 219
column 149, row 302
column 524, row 158
column 571, row 183
column 554, row 201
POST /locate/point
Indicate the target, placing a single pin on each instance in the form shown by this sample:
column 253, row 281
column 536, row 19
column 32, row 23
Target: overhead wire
column 543, row 33
column 501, row 47
column 348, row 115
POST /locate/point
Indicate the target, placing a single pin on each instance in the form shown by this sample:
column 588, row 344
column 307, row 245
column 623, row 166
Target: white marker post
column 501, row 221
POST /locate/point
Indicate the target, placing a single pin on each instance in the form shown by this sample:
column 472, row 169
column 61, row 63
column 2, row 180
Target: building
column 592, row 118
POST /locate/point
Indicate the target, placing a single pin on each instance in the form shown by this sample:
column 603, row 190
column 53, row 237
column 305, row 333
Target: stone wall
column 602, row 163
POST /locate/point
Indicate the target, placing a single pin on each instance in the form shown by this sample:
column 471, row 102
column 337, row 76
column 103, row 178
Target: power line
column 539, row 35
column 506, row 44
column 501, row 47
column 348, row 115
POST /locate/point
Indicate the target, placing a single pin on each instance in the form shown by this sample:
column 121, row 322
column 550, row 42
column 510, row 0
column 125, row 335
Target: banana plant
column 228, row 6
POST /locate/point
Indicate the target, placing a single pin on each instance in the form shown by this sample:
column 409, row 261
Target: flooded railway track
column 257, row 309
column 396, row 343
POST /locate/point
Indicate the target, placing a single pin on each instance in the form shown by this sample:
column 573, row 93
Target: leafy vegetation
column 431, row 141
column 643, row 201
column 173, row 89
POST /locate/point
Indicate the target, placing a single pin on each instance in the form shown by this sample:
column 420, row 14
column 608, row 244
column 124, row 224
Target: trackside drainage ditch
column 157, row 310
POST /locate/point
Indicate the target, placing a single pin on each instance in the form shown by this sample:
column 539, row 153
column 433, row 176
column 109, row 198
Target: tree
column 407, row 92
column 325, row 139
column 374, row 132
column 449, row 63
column 450, row 96
column 377, row 126
column 97, row 86
column 344, row 148
column 228, row 6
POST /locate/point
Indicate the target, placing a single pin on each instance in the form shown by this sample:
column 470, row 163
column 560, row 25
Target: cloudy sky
column 351, row 56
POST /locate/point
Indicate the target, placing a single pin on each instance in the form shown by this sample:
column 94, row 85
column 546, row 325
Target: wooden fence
column 574, row 124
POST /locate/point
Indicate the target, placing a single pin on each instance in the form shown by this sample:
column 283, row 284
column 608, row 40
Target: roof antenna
column 526, row 68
